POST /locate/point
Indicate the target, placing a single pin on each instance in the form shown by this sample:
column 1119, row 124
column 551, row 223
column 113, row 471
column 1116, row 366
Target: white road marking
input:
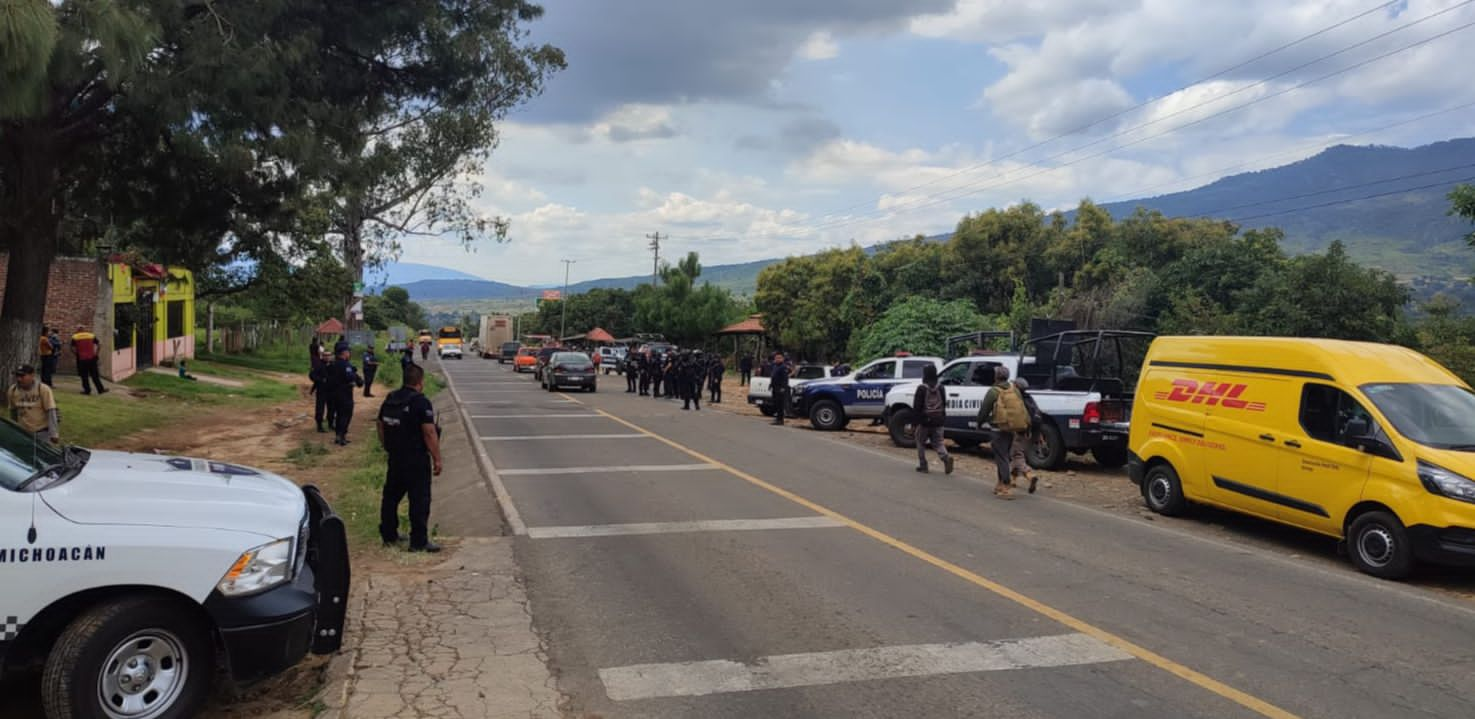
column 709, row 525
column 688, row 679
column 519, row 438
column 608, row 470
column 534, row 416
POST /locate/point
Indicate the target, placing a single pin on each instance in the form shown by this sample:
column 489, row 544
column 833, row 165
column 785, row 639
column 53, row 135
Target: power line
column 944, row 200
column 1138, row 106
column 1298, row 151
column 1372, row 183
column 1242, row 220
column 655, row 248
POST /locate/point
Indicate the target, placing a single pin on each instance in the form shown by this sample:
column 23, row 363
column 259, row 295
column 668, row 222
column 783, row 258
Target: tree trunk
column 29, row 222
column 210, row 328
column 353, row 255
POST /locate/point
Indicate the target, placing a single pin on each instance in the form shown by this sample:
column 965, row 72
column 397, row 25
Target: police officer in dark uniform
column 371, row 368
column 631, row 361
column 715, row 370
column 342, row 379
column 692, row 371
column 321, row 408
column 642, row 367
column 657, row 374
column 410, row 436
column 779, row 382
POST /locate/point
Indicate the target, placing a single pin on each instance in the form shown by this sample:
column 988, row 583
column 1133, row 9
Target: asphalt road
column 685, row 564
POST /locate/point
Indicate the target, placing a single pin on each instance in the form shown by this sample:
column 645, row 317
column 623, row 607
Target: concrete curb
column 488, row 470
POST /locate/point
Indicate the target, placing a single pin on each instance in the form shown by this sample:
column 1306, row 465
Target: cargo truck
column 496, row 330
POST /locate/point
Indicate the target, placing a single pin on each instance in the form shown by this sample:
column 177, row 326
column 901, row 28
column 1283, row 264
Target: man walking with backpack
column 931, row 407
column 1004, row 409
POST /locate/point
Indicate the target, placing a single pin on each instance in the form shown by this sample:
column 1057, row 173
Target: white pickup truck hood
column 119, row 488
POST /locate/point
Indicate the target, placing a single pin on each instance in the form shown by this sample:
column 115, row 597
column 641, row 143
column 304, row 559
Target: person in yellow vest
column 33, row 406
column 88, row 349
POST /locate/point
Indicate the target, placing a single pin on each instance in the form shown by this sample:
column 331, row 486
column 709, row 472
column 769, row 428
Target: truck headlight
column 1445, row 483
column 258, row 570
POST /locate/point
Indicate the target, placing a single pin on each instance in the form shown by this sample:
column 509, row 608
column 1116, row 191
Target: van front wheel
column 1379, row 546
column 1163, row 492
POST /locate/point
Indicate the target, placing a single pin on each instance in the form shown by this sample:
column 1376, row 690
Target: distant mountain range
column 1388, row 205
column 405, row 273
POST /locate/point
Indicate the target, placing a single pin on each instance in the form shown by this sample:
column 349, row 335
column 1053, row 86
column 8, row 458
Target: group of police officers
column 675, row 375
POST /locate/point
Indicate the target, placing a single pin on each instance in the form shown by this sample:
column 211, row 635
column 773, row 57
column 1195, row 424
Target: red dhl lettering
column 1225, row 394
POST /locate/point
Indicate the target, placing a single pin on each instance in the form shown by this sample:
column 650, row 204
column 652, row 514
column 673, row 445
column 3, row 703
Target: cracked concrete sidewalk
column 453, row 640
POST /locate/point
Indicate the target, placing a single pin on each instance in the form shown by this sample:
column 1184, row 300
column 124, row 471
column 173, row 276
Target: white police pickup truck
column 831, row 404
column 129, row 578
column 1081, row 381
column 760, row 391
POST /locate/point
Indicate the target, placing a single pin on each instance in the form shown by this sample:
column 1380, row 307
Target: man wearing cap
column 341, row 380
column 87, row 349
column 33, row 406
column 50, row 352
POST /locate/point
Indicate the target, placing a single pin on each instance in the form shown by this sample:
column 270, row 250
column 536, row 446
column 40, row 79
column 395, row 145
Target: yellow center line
column 1196, row 678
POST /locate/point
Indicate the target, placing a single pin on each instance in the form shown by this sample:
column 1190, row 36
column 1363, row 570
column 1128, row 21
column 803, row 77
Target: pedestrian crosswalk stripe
column 690, row 679
column 605, row 470
column 710, row 525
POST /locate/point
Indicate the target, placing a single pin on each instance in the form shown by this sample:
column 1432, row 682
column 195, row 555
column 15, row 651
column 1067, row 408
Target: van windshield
column 1435, row 415
column 21, row 456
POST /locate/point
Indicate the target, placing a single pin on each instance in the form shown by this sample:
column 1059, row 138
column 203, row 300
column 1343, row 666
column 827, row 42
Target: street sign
column 358, row 289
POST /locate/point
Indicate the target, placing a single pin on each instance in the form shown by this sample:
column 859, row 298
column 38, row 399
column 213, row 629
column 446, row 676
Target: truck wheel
column 827, row 416
column 1162, row 491
column 902, row 428
column 767, row 410
column 1110, row 457
column 138, row 658
column 1047, row 448
column 1379, row 545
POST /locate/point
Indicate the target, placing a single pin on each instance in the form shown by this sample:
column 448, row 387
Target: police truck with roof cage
column 130, row 578
column 1082, row 381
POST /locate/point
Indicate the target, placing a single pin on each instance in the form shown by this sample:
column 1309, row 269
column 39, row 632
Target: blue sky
column 768, row 128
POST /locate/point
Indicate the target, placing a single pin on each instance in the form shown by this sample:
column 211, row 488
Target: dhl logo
column 1224, row 394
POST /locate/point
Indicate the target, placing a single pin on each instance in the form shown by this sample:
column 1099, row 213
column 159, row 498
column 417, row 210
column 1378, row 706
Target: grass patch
column 154, row 400
column 271, row 358
column 307, row 454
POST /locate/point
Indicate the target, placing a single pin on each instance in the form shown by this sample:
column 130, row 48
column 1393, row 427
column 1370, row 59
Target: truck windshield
column 1435, row 415
column 21, row 456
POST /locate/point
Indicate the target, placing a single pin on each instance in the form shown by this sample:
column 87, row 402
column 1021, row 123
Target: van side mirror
column 1358, row 435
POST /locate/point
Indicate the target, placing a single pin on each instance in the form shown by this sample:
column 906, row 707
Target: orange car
column 526, row 359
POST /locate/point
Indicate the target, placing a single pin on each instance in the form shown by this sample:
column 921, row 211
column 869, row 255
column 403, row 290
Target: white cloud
column 632, row 122
column 820, row 45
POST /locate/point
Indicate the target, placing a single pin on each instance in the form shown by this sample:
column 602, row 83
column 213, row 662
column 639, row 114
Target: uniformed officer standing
column 409, row 434
column 322, row 408
column 657, row 373
column 642, row 367
column 693, row 371
column 631, row 379
column 341, row 381
column 779, row 383
column 371, row 368
column 715, row 370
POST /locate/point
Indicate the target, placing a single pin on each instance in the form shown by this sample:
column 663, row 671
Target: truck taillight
column 1092, row 415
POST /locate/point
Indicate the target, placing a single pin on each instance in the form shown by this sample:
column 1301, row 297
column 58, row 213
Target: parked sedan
column 570, row 369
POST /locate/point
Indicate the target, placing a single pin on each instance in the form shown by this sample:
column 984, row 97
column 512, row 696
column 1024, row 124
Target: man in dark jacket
column 693, row 371
column 745, row 370
column 929, row 405
column 779, row 383
column 342, row 379
column 715, row 370
column 408, row 432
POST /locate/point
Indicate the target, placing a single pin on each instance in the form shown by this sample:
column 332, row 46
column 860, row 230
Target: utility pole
column 655, row 263
column 563, row 302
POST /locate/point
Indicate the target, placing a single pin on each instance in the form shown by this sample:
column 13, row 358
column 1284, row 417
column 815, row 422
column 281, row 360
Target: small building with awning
column 750, row 327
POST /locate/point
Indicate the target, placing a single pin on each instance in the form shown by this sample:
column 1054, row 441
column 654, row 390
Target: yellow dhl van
column 1372, row 444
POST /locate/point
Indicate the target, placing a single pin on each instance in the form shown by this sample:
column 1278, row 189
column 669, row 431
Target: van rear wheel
column 1378, row 545
column 1163, row 491
column 137, row 658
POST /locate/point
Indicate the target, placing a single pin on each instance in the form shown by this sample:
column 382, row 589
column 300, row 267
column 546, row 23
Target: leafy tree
column 918, row 325
column 681, row 310
column 1350, row 301
column 1448, row 336
column 1462, row 204
column 392, row 306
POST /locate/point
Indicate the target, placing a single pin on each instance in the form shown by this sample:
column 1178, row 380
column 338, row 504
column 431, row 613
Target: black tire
column 767, row 410
column 1378, row 545
column 551, row 386
column 592, row 388
column 1162, row 491
column 1046, row 447
column 72, row 682
column 1110, row 457
column 902, row 428
column 827, row 415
